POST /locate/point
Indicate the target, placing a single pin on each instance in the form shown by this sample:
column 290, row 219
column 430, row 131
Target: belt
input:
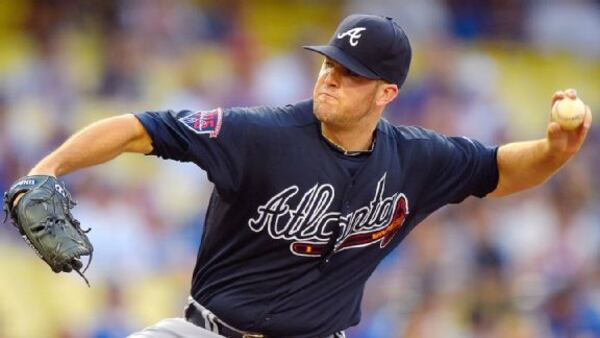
column 206, row 319
column 202, row 317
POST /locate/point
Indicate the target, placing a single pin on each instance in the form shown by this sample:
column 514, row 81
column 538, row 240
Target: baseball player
column 309, row 197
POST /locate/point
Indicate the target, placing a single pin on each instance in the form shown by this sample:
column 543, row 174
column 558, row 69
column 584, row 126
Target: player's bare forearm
column 523, row 165
column 95, row 144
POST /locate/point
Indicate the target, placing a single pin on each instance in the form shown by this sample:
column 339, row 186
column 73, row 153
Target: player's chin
column 323, row 114
column 324, row 110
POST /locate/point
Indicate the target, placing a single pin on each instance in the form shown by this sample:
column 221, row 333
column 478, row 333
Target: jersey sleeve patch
column 204, row 122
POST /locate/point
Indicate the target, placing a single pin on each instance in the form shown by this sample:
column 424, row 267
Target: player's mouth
column 323, row 95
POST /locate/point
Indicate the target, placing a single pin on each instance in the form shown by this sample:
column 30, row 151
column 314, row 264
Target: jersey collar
column 345, row 152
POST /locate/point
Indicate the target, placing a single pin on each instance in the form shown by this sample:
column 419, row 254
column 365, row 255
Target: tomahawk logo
column 310, row 226
column 354, row 35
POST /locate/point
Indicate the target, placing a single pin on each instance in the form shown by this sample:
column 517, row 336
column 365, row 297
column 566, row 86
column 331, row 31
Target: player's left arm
column 523, row 165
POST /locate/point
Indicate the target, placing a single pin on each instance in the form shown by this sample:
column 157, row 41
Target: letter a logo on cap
column 354, row 35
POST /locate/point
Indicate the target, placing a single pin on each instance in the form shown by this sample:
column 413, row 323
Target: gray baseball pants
column 181, row 328
column 174, row 328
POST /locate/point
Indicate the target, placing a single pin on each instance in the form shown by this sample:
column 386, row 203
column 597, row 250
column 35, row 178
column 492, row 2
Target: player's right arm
column 95, row 144
column 214, row 140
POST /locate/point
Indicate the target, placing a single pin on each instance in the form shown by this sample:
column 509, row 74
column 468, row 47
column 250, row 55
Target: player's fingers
column 572, row 93
column 587, row 122
column 558, row 95
column 554, row 130
column 583, row 129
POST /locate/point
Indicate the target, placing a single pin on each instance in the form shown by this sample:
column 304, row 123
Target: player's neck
column 349, row 139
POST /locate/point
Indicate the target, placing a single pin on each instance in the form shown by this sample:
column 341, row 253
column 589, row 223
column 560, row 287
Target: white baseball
column 568, row 113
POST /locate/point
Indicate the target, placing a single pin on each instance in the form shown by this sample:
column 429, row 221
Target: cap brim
column 339, row 56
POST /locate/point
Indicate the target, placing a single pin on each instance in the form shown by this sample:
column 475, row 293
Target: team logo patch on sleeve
column 204, row 122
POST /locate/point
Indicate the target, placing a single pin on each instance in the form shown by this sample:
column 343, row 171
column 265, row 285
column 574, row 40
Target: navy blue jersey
column 293, row 231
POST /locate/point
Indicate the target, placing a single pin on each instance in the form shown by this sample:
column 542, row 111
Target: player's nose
column 332, row 77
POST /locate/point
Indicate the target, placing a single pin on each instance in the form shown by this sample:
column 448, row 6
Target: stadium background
column 524, row 266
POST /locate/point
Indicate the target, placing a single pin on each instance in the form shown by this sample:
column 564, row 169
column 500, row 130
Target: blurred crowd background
column 523, row 266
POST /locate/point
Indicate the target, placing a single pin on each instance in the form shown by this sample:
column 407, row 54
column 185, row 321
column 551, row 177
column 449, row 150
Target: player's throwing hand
column 562, row 141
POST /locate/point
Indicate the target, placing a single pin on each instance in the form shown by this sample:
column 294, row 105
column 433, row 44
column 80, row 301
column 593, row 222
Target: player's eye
column 329, row 64
column 351, row 73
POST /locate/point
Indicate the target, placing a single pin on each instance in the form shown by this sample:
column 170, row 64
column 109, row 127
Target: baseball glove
column 44, row 219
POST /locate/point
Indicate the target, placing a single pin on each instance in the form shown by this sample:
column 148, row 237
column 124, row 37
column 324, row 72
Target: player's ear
column 386, row 93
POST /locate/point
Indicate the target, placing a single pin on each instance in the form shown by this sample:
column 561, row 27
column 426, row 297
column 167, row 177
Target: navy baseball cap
column 371, row 46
